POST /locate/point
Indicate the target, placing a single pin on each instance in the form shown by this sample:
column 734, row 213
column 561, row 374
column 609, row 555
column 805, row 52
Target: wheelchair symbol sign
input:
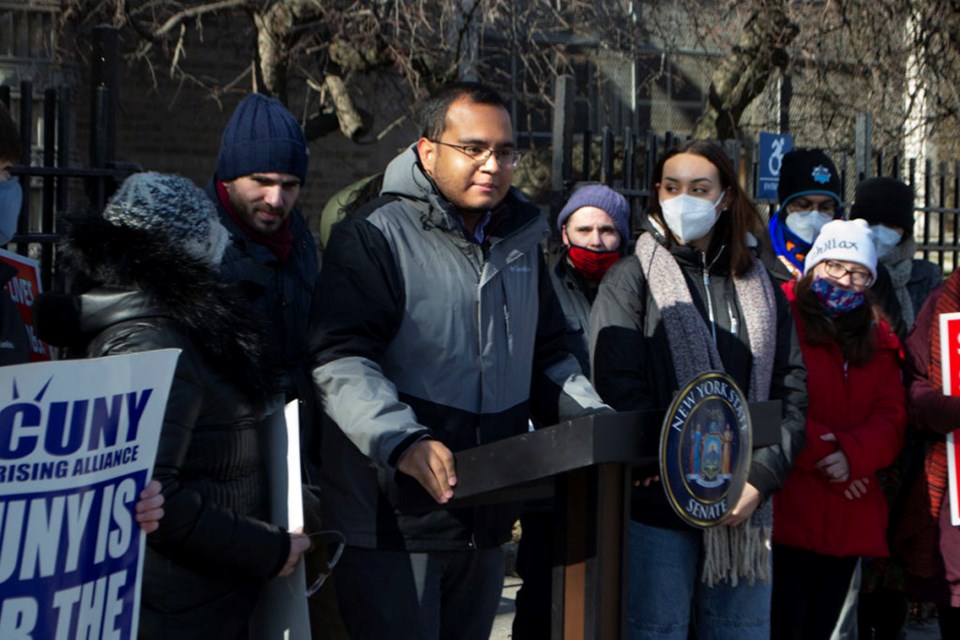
column 773, row 146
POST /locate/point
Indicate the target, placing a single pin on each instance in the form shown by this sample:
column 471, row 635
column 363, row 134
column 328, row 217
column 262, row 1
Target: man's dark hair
column 433, row 112
column 9, row 137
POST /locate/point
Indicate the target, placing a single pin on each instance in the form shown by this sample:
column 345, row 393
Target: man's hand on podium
column 430, row 463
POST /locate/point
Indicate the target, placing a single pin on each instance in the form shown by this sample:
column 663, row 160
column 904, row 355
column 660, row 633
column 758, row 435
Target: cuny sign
column 77, row 444
column 705, row 446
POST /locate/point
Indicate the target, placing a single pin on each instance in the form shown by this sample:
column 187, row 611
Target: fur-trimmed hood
column 124, row 274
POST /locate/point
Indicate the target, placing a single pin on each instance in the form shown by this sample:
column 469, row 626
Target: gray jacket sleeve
column 356, row 312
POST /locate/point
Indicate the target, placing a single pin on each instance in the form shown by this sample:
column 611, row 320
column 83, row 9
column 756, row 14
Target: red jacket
column 865, row 407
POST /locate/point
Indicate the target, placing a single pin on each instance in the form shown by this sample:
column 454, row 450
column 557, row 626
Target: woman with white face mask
column 832, row 511
column 696, row 254
column 887, row 205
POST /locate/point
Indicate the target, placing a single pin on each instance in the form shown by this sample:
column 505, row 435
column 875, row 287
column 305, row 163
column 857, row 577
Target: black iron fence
column 626, row 162
column 52, row 184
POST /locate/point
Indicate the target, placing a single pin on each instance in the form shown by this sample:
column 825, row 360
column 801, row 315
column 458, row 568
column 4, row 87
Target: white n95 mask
column 806, row 225
column 690, row 218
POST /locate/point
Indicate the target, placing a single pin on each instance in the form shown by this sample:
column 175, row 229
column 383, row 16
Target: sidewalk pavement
column 502, row 625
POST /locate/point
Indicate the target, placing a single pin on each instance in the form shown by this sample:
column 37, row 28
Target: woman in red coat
column 831, row 510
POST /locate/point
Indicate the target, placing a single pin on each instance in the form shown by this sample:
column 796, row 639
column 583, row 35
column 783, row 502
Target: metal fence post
column 26, row 143
column 863, row 143
column 563, row 91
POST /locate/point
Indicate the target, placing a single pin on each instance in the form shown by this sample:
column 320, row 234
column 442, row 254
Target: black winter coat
column 214, row 550
column 633, row 367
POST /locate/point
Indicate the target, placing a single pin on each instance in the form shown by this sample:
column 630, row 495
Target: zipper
column 711, row 320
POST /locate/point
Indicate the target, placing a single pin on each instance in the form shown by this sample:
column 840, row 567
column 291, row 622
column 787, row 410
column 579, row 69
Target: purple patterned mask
column 835, row 299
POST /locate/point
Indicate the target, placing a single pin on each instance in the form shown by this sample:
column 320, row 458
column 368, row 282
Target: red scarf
column 592, row 264
column 280, row 243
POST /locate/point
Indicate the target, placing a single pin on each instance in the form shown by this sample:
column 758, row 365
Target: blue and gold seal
column 705, row 445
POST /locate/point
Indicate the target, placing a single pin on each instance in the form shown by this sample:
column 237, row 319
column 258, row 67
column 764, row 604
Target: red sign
column 950, row 357
column 23, row 289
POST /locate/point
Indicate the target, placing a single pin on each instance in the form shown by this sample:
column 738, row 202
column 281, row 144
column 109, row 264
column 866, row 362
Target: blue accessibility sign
column 773, row 146
column 705, row 447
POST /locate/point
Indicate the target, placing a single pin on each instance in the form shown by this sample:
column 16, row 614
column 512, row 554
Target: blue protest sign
column 773, row 146
column 77, row 443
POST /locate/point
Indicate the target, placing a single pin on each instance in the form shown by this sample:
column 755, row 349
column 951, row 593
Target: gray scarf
column 899, row 263
column 730, row 553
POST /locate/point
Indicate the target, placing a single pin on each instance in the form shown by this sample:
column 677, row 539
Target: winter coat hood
column 127, row 274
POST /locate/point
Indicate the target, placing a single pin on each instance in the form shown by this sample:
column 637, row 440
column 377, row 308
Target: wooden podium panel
column 586, row 464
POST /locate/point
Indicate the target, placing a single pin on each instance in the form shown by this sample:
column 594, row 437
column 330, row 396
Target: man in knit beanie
column 260, row 170
column 594, row 228
column 888, row 205
column 809, row 191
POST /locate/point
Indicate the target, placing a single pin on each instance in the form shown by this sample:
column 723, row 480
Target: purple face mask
column 835, row 299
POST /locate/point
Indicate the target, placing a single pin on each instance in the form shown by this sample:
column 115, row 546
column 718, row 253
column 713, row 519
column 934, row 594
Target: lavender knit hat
column 602, row 197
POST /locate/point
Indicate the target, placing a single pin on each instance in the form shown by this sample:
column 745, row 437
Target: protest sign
column 77, row 443
column 281, row 612
column 950, row 362
column 23, row 288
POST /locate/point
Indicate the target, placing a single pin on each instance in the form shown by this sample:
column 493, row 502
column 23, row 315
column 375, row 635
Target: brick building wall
column 175, row 126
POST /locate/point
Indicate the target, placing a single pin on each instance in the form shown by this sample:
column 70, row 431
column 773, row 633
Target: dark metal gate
column 626, row 162
column 54, row 185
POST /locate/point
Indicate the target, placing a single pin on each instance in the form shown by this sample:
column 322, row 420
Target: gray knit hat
column 173, row 207
column 601, row 197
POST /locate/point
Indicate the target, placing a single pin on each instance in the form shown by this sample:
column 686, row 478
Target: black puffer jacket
column 213, row 551
column 633, row 367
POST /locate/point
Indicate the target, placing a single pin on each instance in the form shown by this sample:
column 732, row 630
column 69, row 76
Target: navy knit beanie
column 884, row 201
column 262, row 136
column 808, row 172
column 601, row 197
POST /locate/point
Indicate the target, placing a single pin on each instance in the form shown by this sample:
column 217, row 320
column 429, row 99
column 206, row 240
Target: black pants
column 808, row 593
column 534, row 604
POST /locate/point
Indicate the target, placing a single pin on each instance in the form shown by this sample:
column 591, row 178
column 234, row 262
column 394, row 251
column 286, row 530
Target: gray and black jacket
column 427, row 334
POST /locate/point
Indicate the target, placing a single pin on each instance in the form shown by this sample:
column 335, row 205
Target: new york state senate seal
column 705, row 445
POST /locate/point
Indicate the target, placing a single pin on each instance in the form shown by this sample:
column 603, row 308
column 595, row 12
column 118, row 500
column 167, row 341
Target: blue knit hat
column 262, row 136
column 602, row 197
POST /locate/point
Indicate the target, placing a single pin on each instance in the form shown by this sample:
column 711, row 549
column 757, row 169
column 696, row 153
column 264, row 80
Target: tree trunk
column 742, row 76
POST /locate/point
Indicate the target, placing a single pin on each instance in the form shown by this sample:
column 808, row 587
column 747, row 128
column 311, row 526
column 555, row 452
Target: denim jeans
column 664, row 592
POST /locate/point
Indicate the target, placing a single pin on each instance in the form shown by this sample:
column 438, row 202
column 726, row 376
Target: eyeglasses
column 325, row 571
column 480, row 155
column 837, row 271
column 828, row 206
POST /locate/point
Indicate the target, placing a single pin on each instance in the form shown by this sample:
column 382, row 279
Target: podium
column 586, row 465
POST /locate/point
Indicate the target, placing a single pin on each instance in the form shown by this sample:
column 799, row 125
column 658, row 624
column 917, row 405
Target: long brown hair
column 852, row 332
column 730, row 229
